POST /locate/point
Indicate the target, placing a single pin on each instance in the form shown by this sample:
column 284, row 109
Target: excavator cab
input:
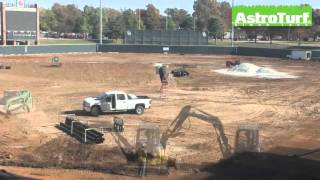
column 148, row 140
column 247, row 138
column 148, row 146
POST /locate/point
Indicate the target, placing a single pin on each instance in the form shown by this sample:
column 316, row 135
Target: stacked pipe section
column 81, row 132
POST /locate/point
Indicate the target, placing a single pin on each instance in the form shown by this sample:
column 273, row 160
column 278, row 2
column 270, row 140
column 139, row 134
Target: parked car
column 116, row 101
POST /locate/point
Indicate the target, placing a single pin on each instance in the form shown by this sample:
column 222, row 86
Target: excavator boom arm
column 187, row 112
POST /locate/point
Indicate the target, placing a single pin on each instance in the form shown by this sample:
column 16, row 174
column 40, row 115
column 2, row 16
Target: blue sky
column 163, row 4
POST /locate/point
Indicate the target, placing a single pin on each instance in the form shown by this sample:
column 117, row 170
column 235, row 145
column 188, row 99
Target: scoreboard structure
column 19, row 24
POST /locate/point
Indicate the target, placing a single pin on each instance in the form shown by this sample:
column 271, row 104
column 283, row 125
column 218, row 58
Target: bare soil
column 287, row 110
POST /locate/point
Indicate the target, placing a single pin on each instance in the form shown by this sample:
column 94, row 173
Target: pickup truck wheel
column 139, row 110
column 95, row 111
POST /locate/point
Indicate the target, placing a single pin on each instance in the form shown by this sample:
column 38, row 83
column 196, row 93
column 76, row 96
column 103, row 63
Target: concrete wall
column 12, row 50
column 61, row 49
column 91, row 48
column 6, row 50
column 173, row 49
column 263, row 52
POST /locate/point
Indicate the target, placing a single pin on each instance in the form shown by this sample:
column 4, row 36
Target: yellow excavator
column 246, row 138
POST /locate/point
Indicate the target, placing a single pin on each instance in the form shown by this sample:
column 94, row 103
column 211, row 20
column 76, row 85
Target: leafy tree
column 180, row 17
column 68, row 18
column 115, row 25
column 152, row 18
column 215, row 27
column 167, row 23
column 315, row 29
column 130, row 20
column 142, row 14
column 205, row 10
column 225, row 10
column 48, row 21
column 90, row 21
column 210, row 15
column 115, row 28
column 187, row 23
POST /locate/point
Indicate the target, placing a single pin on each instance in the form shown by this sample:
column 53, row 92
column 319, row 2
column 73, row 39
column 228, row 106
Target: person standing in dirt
column 163, row 74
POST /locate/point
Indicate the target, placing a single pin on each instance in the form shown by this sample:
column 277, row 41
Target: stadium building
column 19, row 23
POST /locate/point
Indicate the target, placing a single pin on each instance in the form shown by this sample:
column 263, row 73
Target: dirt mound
column 263, row 166
column 66, row 150
column 251, row 70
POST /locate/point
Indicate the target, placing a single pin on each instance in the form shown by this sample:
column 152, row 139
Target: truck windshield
column 101, row 96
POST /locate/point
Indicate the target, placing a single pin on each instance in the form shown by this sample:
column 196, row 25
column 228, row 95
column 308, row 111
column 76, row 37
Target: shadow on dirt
column 264, row 166
column 87, row 114
column 76, row 112
column 313, row 154
column 6, row 115
column 4, row 175
column 50, row 66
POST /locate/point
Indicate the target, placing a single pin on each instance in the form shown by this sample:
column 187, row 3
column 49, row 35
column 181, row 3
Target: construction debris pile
column 4, row 67
column 81, row 132
column 251, row 70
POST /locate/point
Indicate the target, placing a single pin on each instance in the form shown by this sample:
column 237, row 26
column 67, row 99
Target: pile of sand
column 251, row 70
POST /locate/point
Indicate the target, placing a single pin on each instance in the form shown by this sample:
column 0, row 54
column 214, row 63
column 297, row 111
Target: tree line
column 208, row 15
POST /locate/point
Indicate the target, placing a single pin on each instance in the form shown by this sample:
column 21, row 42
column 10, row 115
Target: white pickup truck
column 116, row 101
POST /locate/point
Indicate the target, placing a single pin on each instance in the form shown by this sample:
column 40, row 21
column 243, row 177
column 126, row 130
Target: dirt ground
column 287, row 111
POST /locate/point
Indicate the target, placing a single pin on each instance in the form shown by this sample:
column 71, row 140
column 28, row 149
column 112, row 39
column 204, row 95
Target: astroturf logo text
column 272, row 16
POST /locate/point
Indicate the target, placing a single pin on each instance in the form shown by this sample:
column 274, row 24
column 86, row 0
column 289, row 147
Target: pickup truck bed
column 143, row 97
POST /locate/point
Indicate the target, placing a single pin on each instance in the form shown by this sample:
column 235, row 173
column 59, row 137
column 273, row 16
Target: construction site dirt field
column 287, row 110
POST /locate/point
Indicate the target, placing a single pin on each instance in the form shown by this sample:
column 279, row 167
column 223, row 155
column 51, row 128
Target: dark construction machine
column 230, row 64
column 150, row 145
column 247, row 136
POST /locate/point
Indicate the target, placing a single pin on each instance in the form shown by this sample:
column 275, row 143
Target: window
column 109, row 98
column 121, row 97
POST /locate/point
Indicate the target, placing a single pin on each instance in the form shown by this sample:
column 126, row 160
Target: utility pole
column 232, row 28
column 100, row 21
column 194, row 18
column 167, row 22
column 139, row 19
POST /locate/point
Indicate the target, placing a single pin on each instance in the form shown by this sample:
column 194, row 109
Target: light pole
column 167, row 22
column 100, row 21
column 139, row 19
column 194, row 18
column 232, row 28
